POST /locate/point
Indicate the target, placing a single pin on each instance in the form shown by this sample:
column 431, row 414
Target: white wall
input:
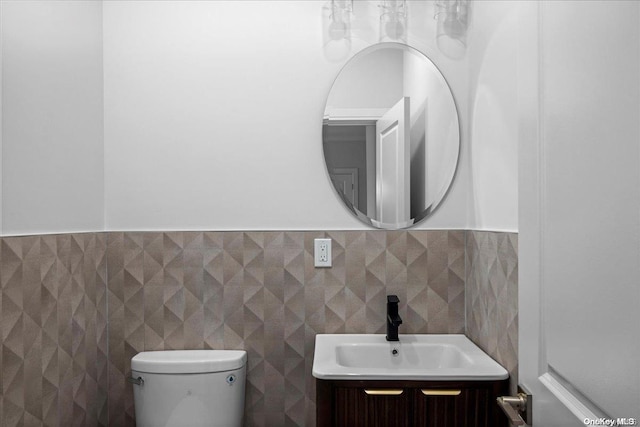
column 52, row 136
column 213, row 114
column 145, row 115
column 1, row 132
column 375, row 80
column 433, row 122
column 493, row 193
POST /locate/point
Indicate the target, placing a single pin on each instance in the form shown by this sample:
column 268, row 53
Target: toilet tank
column 189, row 388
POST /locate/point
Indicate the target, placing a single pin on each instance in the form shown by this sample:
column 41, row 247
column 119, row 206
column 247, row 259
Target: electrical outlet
column 322, row 252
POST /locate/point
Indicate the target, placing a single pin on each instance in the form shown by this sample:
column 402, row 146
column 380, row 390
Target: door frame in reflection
column 367, row 118
column 346, row 179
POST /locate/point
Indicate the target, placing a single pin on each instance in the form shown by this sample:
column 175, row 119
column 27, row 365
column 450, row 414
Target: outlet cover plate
column 322, row 252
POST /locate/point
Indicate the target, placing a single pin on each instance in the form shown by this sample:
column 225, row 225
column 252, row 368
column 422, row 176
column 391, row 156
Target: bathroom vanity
column 420, row 380
column 409, row 403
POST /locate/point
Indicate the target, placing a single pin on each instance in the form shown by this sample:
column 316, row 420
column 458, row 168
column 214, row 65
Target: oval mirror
column 390, row 136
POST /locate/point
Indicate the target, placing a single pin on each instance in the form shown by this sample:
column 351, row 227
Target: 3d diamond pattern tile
column 258, row 291
column 492, row 296
column 53, row 322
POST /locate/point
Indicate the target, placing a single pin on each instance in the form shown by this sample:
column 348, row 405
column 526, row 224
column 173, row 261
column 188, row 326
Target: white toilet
column 189, row 388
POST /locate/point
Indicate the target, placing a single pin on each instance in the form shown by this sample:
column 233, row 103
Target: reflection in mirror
column 391, row 136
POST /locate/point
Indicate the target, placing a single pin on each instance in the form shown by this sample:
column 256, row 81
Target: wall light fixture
column 453, row 18
column 393, row 20
column 337, row 29
column 340, row 19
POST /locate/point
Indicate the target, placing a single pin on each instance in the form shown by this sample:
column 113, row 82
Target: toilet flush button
column 231, row 379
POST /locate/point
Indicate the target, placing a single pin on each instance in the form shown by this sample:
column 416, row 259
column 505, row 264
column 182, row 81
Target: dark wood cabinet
column 409, row 403
column 467, row 406
column 371, row 407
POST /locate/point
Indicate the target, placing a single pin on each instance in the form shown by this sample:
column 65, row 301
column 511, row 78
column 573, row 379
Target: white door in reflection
column 392, row 164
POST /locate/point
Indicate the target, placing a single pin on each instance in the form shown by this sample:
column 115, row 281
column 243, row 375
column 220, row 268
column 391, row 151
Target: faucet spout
column 393, row 318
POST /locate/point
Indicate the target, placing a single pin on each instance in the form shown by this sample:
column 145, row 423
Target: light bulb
column 394, row 29
column 337, row 30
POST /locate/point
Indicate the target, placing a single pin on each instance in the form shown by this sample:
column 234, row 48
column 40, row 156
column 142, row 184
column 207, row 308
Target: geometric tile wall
column 54, row 330
column 259, row 291
column 492, row 296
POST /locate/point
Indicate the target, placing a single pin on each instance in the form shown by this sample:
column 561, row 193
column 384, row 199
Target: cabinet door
column 374, row 407
column 452, row 407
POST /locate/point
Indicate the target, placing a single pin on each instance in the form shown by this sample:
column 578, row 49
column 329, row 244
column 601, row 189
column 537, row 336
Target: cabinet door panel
column 355, row 408
column 469, row 408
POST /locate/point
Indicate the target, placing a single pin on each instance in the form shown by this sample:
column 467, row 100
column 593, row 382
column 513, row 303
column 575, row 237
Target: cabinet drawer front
column 452, row 408
column 359, row 407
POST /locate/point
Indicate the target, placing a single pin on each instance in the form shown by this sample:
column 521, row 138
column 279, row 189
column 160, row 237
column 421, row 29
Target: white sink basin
column 416, row 357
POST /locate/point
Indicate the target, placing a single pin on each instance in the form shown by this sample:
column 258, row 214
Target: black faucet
column 393, row 318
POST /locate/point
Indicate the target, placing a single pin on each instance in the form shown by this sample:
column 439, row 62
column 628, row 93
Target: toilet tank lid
column 188, row 361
